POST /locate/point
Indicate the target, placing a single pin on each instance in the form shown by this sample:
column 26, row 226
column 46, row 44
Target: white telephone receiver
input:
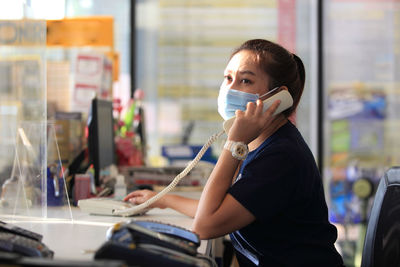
column 286, row 102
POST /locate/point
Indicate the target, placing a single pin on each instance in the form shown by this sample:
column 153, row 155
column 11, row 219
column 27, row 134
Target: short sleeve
column 266, row 184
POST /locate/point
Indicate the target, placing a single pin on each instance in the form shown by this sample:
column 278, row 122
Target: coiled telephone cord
column 144, row 206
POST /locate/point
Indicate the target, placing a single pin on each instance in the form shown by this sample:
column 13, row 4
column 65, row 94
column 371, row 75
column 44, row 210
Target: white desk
column 79, row 238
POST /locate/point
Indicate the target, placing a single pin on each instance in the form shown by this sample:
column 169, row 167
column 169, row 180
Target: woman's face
column 243, row 73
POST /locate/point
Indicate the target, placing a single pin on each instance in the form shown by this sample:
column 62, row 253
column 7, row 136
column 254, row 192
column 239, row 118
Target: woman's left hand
column 249, row 124
column 140, row 196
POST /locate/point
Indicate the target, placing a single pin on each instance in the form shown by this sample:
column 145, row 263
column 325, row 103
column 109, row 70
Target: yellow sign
column 87, row 31
column 114, row 57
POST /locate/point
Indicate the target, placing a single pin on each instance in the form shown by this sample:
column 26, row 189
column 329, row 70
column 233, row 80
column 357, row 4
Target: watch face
column 240, row 150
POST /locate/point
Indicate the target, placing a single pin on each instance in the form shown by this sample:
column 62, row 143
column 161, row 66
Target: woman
column 272, row 201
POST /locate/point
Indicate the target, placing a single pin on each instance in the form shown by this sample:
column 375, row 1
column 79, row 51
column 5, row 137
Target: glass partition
column 31, row 183
column 361, row 77
column 184, row 46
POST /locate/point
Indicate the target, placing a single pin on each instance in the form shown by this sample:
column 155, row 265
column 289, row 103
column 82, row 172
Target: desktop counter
column 79, row 238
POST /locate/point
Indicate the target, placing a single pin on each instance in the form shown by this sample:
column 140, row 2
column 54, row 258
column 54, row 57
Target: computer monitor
column 101, row 136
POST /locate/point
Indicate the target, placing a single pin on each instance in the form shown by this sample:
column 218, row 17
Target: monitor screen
column 101, row 136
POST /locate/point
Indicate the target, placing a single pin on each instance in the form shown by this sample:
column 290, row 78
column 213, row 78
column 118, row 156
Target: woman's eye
column 228, row 78
column 245, row 81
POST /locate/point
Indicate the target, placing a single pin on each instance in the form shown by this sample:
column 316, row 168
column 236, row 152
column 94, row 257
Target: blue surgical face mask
column 230, row 100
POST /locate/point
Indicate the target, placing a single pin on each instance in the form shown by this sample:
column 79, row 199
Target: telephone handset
column 151, row 243
column 286, row 102
column 171, row 230
column 156, row 233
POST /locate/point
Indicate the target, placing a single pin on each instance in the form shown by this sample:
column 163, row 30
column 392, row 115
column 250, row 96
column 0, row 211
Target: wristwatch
column 239, row 149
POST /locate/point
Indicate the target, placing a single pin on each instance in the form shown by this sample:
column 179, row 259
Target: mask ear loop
column 269, row 92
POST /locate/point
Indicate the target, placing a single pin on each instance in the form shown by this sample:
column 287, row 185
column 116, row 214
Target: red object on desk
column 81, row 187
column 127, row 153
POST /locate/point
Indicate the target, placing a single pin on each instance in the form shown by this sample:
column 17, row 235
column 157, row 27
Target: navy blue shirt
column 279, row 183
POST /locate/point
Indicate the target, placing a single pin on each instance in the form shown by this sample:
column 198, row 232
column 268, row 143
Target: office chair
column 382, row 239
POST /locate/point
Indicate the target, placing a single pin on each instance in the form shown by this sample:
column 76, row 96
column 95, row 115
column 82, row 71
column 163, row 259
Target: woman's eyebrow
column 247, row 72
column 242, row 72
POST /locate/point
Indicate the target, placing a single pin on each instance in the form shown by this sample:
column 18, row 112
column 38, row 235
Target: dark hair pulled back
column 282, row 67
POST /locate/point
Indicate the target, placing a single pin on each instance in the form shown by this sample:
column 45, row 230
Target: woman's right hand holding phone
column 249, row 124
